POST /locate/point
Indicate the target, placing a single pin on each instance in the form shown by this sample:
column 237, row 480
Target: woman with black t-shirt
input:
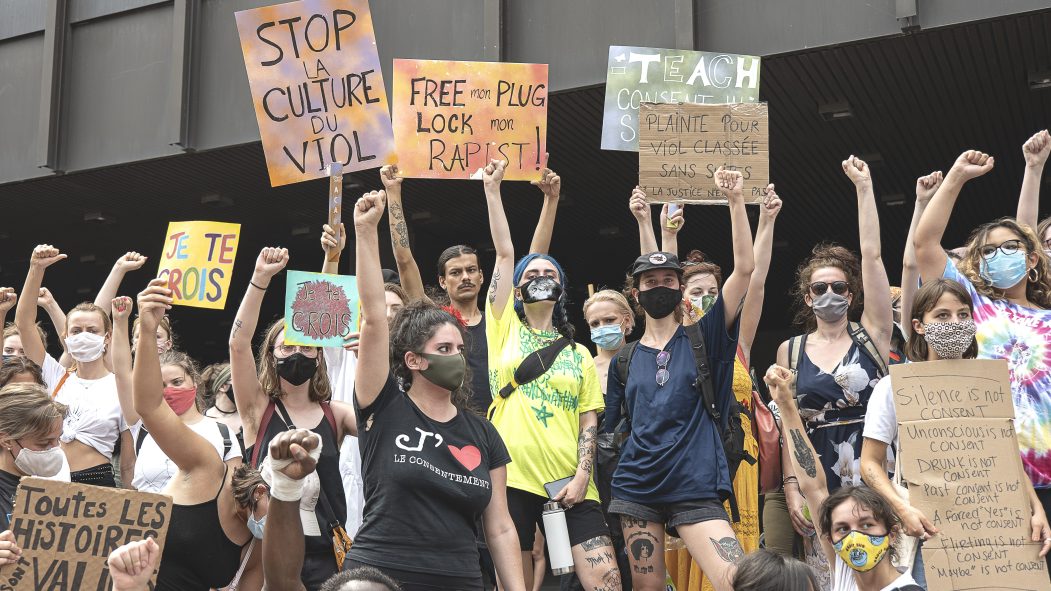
column 430, row 468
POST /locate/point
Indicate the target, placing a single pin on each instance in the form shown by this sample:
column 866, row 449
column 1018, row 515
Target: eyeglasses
column 288, row 350
column 838, row 287
column 662, row 368
column 1009, row 247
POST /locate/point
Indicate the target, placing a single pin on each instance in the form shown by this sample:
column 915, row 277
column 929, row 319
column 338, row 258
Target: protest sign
column 959, row 455
column 198, row 260
column 637, row 75
column 682, row 145
column 67, row 531
column 316, row 87
column 452, row 118
column 320, row 309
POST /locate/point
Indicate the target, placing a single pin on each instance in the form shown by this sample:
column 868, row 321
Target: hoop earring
column 1031, row 274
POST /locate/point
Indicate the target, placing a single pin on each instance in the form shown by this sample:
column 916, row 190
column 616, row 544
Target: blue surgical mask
column 609, row 337
column 256, row 526
column 1004, row 271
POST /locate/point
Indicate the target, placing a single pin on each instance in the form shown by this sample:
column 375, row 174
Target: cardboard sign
column 452, row 118
column 959, row 455
column 637, row 75
column 198, row 260
column 317, row 87
column 681, row 146
column 67, row 531
column 320, row 309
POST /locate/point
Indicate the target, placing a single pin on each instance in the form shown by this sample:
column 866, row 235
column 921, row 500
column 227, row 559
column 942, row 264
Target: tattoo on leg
column 627, row 521
column 597, row 542
column 642, row 545
column 804, row 457
column 728, row 548
column 605, row 557
column 611, row 580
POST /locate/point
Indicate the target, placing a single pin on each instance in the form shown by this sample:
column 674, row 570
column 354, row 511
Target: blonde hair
column 27, row 409
column 320, row 389
column 617, row 299
column 107, row 324
column 165, row 323
column 1037, row 292
column 10, row 330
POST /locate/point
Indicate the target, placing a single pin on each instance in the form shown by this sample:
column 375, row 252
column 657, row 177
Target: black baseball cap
column 391, row 276
column 655, row 260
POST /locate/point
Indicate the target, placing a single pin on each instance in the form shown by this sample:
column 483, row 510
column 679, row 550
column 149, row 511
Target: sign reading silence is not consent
column 317, row 87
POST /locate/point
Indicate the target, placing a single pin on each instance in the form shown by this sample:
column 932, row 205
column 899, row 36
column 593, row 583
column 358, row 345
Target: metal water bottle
column 557, row 534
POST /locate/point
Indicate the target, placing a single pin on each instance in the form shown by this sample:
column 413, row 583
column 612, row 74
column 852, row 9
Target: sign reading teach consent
column 637, row 75
column 452, row 118
column 682, row 146
column 959, row 455
column 67, row 531
column 317, row 87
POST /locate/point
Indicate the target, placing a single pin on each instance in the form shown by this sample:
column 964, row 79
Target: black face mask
column 297, row 368
column 660, row 301
column 541, row 289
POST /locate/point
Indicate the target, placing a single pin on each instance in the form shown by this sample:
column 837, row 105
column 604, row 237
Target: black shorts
column 672, row 515
column 584, row 521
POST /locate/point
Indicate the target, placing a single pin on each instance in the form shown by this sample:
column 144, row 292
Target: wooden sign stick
column 335, row 205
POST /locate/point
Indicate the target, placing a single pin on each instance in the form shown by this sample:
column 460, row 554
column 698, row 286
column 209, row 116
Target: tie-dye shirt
column 1022, row 336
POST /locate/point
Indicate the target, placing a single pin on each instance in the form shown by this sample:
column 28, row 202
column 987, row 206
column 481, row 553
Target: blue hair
column 559, row 318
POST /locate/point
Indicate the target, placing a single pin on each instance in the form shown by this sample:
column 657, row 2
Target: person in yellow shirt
column 549, row 423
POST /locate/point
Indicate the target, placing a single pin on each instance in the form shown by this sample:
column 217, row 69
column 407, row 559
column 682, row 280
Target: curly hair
column 1037, row 292
column 189, row 366
column 823, row 256
column 866, row 498
column 410, row 329
column 244, row 483
column 320, row 388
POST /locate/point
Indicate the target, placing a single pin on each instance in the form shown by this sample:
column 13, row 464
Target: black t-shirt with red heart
column 426, row 483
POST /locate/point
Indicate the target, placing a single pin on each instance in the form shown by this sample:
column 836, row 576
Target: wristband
column 252, row 283
column 281, row 486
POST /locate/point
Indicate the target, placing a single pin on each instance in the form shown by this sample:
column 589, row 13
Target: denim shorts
column 672, row 515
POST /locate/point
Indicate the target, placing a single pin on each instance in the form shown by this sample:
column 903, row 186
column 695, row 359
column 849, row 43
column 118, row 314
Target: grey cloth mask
column 830, row 306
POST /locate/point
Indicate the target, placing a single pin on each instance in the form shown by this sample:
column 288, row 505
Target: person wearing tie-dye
column 1008, row 275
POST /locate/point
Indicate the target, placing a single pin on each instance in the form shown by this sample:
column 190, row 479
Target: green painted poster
column 644, row 74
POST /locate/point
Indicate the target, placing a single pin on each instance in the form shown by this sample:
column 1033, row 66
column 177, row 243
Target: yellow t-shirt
column 539, row 421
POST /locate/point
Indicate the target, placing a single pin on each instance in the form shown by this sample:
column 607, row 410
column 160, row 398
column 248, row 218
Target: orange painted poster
column 316, row 87
column 452, row 118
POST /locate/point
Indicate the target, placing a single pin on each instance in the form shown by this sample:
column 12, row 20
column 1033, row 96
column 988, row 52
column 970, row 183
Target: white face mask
column 86, row 347
column 44, row 463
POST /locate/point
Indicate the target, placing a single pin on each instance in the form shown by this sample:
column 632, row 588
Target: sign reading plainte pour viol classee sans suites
column 681, row 146
column 452, row 118
column 67, row 531
column 959, row 455
column 637, row 75
column 317, row 87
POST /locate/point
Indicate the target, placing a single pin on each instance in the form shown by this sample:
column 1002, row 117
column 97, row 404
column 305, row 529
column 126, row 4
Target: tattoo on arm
column 400, row 235
column 728, row 548
column 237, row 328
column 586, row 448
column 492, row 286
column 598, row 542
column 804, row 457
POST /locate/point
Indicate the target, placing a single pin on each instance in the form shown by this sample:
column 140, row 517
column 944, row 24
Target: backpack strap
column 61, row 383
column 227, row 443
column 796, row 346
column 330, row 416
column 704, row 373
column 140, row 438
column 861, row 338
column 268, row 414
column 623, row 360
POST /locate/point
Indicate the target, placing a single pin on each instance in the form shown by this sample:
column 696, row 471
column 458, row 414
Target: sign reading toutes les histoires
column 317, row 87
